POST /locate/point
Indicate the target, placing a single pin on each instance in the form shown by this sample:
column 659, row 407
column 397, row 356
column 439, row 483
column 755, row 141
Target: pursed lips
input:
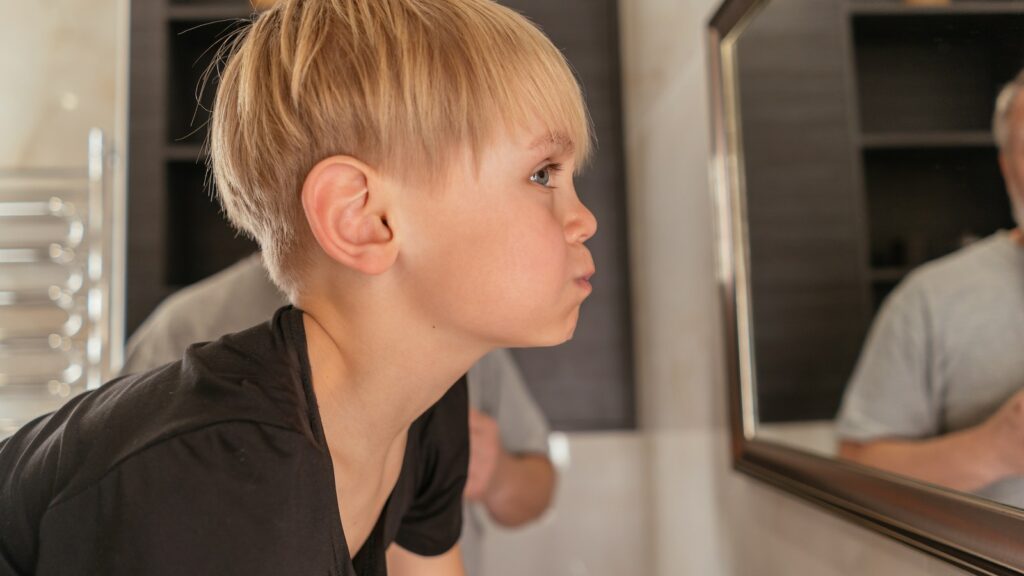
column 584, row 280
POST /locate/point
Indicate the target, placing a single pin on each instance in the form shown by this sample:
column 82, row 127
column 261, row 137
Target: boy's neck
column 374, row 372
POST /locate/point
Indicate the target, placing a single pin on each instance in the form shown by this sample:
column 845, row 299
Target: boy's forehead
column 509, row 148
column 557, row 143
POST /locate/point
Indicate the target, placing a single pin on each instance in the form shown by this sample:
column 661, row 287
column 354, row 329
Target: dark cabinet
column 926, row 80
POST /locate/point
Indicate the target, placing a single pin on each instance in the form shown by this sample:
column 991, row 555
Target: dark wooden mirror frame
column 978, row 536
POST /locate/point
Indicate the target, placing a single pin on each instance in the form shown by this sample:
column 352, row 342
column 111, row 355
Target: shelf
column 943, row 139
column 185, row 152
column 189, row 98
column 938, row 74
column 897, row 8
column 200, row 240
column 187, row 13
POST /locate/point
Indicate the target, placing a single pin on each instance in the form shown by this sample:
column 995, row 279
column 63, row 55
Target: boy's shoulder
column 243, row 379
column 184, row 469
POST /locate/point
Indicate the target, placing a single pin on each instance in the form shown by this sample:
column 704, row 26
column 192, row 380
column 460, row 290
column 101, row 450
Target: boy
column 406, row 167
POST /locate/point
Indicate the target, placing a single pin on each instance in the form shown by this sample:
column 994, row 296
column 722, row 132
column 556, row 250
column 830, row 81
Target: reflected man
column 937, row 392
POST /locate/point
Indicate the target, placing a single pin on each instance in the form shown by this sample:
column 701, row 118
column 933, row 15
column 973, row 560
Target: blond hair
column 1001, row 116
column 400, row 84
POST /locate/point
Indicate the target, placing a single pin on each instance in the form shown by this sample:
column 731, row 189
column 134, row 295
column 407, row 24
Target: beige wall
column 62, row 69
column 62, row 72
column 706, row 518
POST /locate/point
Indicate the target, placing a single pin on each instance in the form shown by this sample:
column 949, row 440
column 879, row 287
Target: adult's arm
column 511, row 440
column 965, row 460
column 889, row 417
column 521, row 490
column 959, row 460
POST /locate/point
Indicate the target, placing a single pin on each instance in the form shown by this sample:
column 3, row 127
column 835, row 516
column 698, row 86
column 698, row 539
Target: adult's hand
column 1004, row 432
column 966, row 460
column 514, row 488
column 485, row 455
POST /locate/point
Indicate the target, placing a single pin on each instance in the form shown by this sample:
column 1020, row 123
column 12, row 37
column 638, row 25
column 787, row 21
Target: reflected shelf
column 185, row 152
column 899, row 8
column 944, row 139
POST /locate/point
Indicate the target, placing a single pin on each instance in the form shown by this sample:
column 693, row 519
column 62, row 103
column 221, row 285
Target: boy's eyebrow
column 558, row 144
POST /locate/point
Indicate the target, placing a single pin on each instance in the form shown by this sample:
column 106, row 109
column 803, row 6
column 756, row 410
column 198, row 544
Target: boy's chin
column 537, row 334
column 553, row 337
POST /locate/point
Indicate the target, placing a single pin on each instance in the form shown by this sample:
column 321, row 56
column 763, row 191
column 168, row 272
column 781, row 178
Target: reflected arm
column 963, row 460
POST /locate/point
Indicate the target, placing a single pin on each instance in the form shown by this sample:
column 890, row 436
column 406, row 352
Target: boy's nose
column 581, row 224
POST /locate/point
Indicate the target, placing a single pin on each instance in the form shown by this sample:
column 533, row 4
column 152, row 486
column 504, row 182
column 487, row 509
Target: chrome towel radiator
column 61, row 284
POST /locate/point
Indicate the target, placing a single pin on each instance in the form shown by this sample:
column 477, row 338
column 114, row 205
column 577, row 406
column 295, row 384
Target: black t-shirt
column 215, row 464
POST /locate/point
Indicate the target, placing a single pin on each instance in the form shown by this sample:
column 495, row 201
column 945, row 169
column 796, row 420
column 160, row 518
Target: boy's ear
column 347, row 215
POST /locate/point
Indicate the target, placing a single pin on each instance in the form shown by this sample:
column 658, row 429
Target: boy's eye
column 543, row 176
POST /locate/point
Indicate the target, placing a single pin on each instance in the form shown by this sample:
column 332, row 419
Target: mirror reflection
column 883, row 158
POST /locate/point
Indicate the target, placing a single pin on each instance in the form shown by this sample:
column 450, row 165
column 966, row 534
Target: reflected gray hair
column 1001, row 117
column 1001, row 132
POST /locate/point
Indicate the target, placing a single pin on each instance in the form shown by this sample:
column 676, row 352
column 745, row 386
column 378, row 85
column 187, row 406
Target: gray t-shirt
column 243, row 295
column 944, row 352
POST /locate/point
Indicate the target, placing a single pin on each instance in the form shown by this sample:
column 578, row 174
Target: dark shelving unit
column 192, row 46
column 897, row 8
column 183, row 152
column 925, row 79
column 207, row 244
column 177, row 235
column 916, row 140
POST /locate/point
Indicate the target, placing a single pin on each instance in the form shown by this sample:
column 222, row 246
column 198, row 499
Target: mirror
column 870, row 260
column 887, row 276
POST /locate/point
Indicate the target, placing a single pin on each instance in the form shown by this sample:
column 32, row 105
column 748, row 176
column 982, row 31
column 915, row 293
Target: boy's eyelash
column 553, row 168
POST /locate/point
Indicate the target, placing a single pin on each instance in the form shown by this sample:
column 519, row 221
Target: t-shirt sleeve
column 892, row 393
column 524, row 429
column 28, row 462
column 232, row 499
column 433, row 523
